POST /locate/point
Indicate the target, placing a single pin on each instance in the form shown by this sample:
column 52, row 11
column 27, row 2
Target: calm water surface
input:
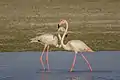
column 26, row 66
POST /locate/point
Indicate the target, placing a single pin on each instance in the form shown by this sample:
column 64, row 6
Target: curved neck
column 59, row 36
column 64, row 34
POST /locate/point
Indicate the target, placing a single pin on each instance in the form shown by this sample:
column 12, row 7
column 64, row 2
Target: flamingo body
column 46, row 39
column 77, row 46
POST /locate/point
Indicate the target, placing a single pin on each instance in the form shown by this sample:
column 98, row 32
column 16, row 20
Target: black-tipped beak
column 58, row 26
column 66, row 35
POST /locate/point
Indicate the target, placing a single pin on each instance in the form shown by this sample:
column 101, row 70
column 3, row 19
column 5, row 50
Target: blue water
column 26, row 66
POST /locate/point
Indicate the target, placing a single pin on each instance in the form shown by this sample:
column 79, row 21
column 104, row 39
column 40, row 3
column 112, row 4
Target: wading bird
column 75, row 45
column 47, row 40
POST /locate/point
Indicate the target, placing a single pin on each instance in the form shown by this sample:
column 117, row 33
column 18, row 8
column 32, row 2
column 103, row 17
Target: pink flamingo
column 75, row 45
column 47, row 40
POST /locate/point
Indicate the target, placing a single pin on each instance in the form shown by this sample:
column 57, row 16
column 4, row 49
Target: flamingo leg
column 87, row 62
column 73, row 63
column 47, row 58
column 42, row 57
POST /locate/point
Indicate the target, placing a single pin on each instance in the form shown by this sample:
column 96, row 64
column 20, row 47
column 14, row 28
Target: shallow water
column 26, row 66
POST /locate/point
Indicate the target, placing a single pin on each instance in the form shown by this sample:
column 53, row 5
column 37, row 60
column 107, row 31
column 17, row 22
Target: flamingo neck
column 59, row 36
column 64, row 35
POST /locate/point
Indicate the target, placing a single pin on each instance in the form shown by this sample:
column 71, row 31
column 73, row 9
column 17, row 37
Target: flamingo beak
column 58, row 26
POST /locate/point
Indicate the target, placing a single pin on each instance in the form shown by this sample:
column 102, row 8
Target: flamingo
column 75, row 45
column 47, row 40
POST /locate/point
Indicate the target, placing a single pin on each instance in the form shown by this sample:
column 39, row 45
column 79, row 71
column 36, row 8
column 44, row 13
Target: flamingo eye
column 38, row 40
column 62, row 21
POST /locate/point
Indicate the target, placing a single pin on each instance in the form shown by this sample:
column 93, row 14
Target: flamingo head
column 62, row 21
column 36, row 39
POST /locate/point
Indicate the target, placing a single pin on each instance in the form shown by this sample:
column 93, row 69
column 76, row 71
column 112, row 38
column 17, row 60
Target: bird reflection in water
column 79, row 76
column 43, row 76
